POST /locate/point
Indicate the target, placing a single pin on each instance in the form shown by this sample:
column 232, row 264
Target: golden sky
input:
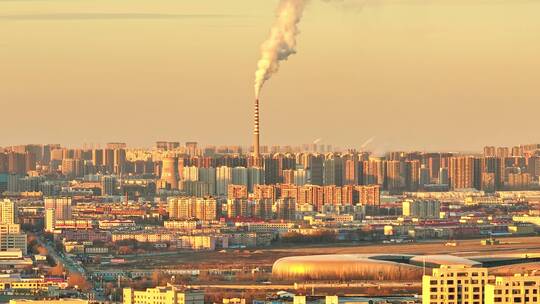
column 414, row 74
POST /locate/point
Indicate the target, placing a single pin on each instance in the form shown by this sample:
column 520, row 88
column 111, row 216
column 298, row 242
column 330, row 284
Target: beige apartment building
column 471, row 285
column 515, row 289
column 163, row 295
column 185, row 208
column 12, row 238
column 456, row 284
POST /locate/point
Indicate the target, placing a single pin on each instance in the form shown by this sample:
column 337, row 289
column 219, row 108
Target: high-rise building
column 353, row 170
column 489, row 151
column 208, row 176
column 492, row 165
column 240, row 176
column 190, row 173
column 8, row 212
column 191, row 147
column 333, row 171
column 423, row 209
column 119, row 161
column 464, row 172
column 262, row 209
column 412, row 175
column 16, row 163
column 12, row 238
column 184, row 208
column 315, row 165
column 369, row 195
column 167, row 145
column 443, row 176
column 255, row 177
column 195, row 188
column 312, row 195
column 72, row 167
column 271, row 170
column 288, row 176
column 286, row 209
column 50, row 220
column 97, row 157
column 108, row 160
column 223, row 179
column 239, row 208
column 374, row 171
column 237, row 192
column 518, row 181
column 503, row 152
column 61, row 205
column 395, row 176
column 265, row 192
column 108, row 185
column 424, row 177
column 301, row 177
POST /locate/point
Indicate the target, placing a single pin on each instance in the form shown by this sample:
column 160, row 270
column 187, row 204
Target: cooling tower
column 169, row 172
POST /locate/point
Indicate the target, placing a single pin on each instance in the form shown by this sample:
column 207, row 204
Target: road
column 59, row 258
column 367, row 284
column 71, row 266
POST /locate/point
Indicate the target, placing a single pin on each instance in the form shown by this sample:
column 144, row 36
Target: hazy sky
column 431, row 74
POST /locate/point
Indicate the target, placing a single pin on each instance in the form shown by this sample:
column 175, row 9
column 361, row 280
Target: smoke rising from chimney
column 281, row 43
column 282, row 40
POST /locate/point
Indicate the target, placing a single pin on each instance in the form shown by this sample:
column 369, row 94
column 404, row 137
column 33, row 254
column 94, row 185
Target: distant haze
column 412, row 74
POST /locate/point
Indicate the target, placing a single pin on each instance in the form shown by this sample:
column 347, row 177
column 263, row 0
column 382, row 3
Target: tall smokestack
column 256, row 147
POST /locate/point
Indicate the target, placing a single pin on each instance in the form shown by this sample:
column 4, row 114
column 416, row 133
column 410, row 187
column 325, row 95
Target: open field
column 266, row 257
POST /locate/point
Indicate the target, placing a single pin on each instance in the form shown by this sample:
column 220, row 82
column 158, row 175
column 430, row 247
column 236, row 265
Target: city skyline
column 317, row 146
column 134, row 74
column 269, row 152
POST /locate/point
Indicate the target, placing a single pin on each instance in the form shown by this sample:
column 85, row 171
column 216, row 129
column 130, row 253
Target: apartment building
column 513, row 289
column 12, row 238
column 456, row 284
column 461, row 284
column 164, row 295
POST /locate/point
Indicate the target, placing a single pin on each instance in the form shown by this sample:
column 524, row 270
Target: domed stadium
column 380, row 266
column 345, row 267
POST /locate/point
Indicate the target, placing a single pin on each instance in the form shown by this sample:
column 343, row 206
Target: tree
column 78, row 281
column 42, row 250
column 57, row 270
column 125, row 250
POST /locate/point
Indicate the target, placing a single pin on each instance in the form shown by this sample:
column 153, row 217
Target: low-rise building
column 163, row 295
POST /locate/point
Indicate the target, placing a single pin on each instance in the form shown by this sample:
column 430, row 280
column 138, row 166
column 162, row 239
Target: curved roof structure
column 345, row 267
column 432, row 261
column 382, row 266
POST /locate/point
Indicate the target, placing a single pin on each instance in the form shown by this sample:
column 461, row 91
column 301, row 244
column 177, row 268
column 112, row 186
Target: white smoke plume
column 367, row 142
column 282, row 41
